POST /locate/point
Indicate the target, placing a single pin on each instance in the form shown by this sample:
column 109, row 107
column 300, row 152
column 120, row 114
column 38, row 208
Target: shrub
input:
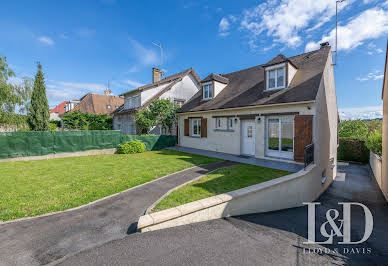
column 133, row 146
column 53, row 126
column 353, row 150
column 374, row 142
column 355, row 129
column 84, row 121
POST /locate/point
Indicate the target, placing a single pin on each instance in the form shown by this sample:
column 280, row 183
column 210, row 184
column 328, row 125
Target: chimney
column 324, row 44
column 156, row 75
column 107, row 92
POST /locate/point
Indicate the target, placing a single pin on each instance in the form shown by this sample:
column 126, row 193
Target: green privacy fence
column 32, row 143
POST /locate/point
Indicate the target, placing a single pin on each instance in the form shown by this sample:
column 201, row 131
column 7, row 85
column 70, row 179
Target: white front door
column 248, row 136
column 280, row 137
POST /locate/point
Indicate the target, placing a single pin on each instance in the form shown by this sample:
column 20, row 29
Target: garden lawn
column 220, row 181
column 38, row 187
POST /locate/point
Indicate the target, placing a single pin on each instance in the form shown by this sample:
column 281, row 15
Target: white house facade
column 285, row 109
column 177, row 88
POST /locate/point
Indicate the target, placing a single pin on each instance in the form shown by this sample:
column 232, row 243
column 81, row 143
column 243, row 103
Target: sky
column 84, row 44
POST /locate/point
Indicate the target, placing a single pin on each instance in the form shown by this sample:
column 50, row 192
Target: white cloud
column 133, row 69
column 133, row 83
column 64, row 36
column 370, row 24
column 46, row 40
column 93, row 87
column 379, row 50
column 85, row 32
column 375, row 75
column 224, row 24
column 146, row 56
column 285, row 20
column 367, row 112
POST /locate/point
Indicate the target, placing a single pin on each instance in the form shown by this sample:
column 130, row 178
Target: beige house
column 285, row 109
column 384, row 159
column 178, row 88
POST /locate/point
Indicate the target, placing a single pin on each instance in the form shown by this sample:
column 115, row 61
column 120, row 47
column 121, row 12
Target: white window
column 218, row 123
column 207, row 91
column 230, row 123
column 196, row 127
column 276, row 78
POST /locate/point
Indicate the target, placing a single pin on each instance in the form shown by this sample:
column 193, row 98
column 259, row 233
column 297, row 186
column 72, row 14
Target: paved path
column 274, row 238
column 284, row 165
column 43, row 240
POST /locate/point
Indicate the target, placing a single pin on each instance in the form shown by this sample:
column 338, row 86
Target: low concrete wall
column 61, row 155
column 376, row 166
column 280, row 193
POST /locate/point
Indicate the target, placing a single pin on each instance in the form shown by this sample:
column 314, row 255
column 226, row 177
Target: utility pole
column 336, row 29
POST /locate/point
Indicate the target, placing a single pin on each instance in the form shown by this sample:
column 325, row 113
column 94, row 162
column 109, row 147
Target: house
column 384, row 157
column 178, row 88
column 58, row 110
column 281, row 110
column 98, row 104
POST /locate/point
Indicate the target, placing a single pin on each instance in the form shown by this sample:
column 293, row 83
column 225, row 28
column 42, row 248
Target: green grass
column 221, row 181
column 38, row 187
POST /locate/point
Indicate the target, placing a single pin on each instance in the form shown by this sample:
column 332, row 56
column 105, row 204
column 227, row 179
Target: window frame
column 275, row 68
column 218, row 123
column 198, row 122
column 209, row 86
column 230, row 123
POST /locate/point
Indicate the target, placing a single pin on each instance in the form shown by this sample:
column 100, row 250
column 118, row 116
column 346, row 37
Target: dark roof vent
column 325, row 44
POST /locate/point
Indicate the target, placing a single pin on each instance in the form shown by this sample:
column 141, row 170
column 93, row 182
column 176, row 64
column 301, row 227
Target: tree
column 12, row 95
column 160, row 112
column 144, row 120
column 357, row 129
column 39, row 113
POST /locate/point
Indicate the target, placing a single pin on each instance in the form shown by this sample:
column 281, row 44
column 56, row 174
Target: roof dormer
column 212, row 85
column 279, row 73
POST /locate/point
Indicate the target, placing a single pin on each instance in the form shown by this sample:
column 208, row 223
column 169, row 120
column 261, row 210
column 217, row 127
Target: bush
column 84, row 121
column 352, row 150
column 374, row 142
column 355, row 129
column 53, row 126
column 133, row 146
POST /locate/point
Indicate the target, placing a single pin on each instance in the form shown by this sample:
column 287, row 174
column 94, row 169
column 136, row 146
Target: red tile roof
column 60, row 108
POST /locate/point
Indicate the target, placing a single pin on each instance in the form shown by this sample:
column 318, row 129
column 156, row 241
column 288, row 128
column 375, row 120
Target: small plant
column 53, row 126
column 133, row 146
column 374, row 142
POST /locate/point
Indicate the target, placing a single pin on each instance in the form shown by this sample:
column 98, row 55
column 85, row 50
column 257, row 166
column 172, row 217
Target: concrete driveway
column 274, row 238
column 45, row 239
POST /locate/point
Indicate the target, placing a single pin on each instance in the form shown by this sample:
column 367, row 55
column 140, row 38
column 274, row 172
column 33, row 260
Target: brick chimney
column 156, row 75
column 107, row 92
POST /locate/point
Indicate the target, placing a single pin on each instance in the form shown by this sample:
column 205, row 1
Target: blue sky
column 83, row 44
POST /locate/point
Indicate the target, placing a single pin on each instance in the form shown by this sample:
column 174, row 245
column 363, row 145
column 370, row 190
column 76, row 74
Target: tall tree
column 39, row 113
column 12, row 95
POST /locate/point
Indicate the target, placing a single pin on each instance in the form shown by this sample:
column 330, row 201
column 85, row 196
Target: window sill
column 207, row 99
column 198, row 137
column 275, row 89
column 224, row 130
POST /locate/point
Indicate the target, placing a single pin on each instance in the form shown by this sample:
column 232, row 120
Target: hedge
column 352, row 150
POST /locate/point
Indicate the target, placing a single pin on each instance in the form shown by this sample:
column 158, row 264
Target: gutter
column 246, row 107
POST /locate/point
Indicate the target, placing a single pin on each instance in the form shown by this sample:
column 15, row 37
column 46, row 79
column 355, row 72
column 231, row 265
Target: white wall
column 291, row 73
column 183, row 90
column 218, row 87
column 230, row 142
column 376, row 166
column 384, row 185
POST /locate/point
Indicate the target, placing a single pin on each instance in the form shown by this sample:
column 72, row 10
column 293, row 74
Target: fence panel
column 35, row 143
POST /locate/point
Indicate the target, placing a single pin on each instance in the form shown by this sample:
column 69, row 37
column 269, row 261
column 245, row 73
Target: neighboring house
column 58, row 110
column 98, row 104
column 384, row 157
column 275, row 110
column 178, row 88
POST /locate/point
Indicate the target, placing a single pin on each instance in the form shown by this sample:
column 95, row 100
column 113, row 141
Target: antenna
column 161, row 52
column 336, row 30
